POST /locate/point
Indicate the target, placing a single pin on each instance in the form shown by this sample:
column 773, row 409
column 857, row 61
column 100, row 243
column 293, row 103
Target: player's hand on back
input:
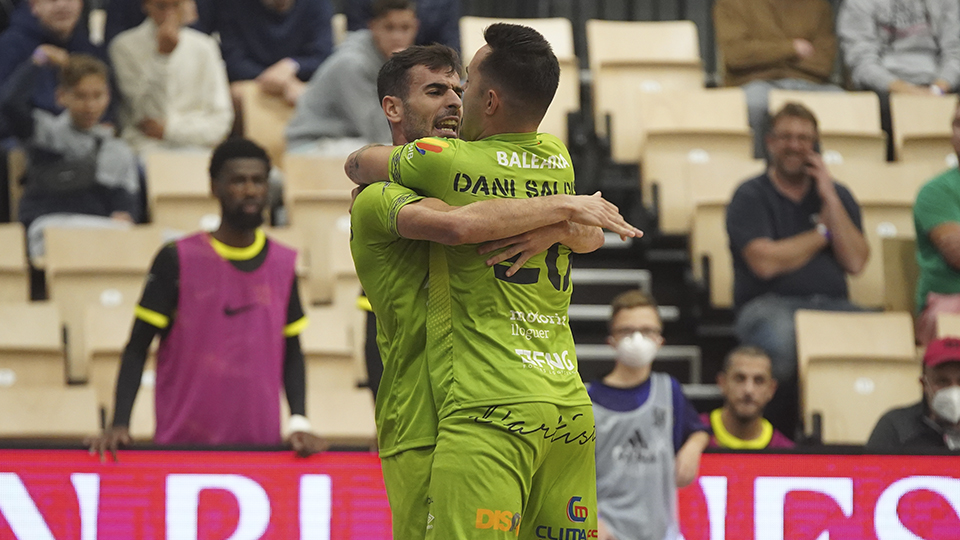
column 109, row 441
column 603, row 533
column 306, row 444
column 525, row 245
column 595, row 211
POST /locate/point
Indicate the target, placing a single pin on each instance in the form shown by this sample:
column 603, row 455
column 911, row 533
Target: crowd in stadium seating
column 175, row 64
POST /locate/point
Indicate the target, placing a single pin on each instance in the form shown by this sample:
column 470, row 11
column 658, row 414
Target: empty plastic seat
column 559, row 33
column 681, row 128
column 646, row 56
column 48, row 413
column 922, row 127
column 712, row 184
column 886, row 193
column 178, row 186
column 265, row 119
column 328, row 349
column 90, row 266
column 31, row 345
column 14, row 275
column 900, row 273
column 849, row 122
column 853, row 367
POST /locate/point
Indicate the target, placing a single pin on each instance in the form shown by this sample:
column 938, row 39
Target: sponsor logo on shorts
column 550, row 533
column 499, row 520
column 576, row 513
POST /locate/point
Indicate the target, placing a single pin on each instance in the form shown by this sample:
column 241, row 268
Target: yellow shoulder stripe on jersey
column 297, row 326
column 240, row 254
column 728, row 440
column 363, row 303
column 151, row 317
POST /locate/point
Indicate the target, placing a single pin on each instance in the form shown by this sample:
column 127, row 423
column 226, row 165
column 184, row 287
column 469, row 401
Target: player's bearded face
column 242, row 191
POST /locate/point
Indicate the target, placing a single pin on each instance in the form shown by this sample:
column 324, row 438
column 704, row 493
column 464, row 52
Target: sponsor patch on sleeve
column 430, row 144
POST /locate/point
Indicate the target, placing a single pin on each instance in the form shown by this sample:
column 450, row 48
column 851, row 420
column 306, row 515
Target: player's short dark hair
column 382, row 7
column 794, row 110
column 634, row 298
column 394, row 76
column 743, row 350
column 79, row 66
column 521, row 64
column 234, row 149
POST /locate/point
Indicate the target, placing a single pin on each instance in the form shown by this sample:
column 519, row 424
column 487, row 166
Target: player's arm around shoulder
column 369, row 164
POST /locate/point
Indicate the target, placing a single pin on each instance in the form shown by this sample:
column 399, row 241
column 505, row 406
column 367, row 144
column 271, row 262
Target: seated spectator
column 439, row 20
column 766, row 45
column 794, row 234
column 934, row 422
column 54, row 25
column 78, row 174
column 122, row 15
column 340, row 110
column 901, row 46
column 936, row 215
column 278, row 43
column 747, row 385
column 649, row 437
column 173, row 82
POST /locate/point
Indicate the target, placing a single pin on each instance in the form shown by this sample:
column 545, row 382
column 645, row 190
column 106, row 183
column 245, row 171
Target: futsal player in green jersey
column 515, row 446
column 419, row 90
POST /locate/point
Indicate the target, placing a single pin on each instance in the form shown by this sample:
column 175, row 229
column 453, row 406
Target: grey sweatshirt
column 341, row 98
column 917, row 41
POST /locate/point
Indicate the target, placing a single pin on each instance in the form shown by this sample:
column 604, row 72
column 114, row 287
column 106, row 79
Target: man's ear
column 392, row 108
column 493, row 102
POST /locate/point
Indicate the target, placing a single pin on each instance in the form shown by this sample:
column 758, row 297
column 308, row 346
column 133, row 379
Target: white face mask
column 636, row 350
column 946, row 403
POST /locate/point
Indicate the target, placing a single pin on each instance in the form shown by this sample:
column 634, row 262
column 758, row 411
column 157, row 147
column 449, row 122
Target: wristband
column 824, row 231
column 297, row 423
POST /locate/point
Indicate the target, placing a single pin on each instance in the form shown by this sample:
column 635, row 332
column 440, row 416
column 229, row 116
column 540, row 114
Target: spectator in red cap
column 935, row 421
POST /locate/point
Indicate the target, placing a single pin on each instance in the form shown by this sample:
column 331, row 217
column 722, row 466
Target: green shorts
column 407, row 478
column 526, row 470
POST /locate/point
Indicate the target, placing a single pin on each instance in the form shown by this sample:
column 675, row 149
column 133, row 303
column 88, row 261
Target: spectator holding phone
column 795, row 234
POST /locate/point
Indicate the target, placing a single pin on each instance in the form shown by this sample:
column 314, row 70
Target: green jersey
column 494, row 339
column 937, row 203
column 393, row 273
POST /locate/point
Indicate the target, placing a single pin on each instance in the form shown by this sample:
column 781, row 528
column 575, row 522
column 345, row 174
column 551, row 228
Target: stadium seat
column 849, row 122
column 712, row 184
column 853, row 367
column 948, row 325
column 687, row 127
column 265, row 119
column 900, row 273
column 14, row 273
column 178, row 187
column 48, row 413
column 922, row 127
column 343, row 416
column 88, row 266
column 16, row 165
column 317, row 197
column 328, row 350
column 886, row 193
column 31, row 345
column 559, row 32
column 629, row 56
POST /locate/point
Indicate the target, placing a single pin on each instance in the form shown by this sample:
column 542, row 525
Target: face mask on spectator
column 636, row 350
column 946, row 403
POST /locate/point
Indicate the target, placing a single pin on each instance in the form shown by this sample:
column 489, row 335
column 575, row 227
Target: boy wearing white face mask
column 935, row 421
column 649, row 436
